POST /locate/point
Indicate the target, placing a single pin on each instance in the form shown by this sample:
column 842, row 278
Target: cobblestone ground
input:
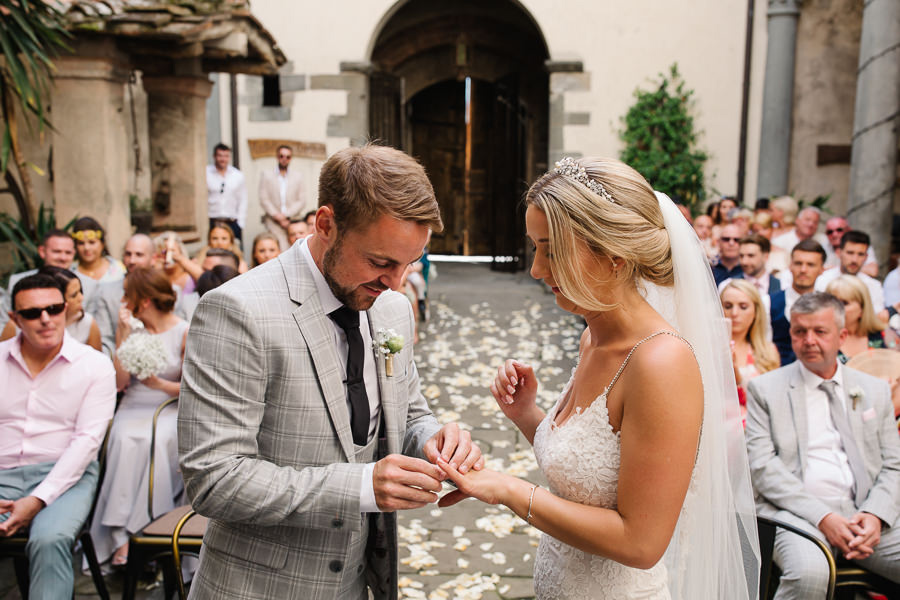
column 478, row 319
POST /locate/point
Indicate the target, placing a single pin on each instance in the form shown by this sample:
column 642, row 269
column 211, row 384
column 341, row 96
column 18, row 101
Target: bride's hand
column 514, row 388
column 485, row 485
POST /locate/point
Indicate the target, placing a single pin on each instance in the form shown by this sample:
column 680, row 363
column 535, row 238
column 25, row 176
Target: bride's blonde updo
column 630, row 228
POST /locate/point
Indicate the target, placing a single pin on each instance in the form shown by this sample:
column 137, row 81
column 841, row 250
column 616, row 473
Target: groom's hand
column 455, row 446
column 402, row 482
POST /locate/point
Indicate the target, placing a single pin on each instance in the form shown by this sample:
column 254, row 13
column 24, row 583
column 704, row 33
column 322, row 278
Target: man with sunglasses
column 835, row 228
column 59, row 396
column 281, row 196
column 729, row 263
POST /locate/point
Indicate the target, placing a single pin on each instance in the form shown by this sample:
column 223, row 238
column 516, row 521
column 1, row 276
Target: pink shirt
column 59, row 416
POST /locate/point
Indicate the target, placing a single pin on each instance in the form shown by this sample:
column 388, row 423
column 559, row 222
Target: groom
column 294, row 438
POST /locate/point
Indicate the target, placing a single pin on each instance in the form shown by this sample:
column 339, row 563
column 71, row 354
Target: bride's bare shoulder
column 666, row 363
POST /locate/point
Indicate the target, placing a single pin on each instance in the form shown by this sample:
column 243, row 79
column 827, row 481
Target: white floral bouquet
column 143, row 354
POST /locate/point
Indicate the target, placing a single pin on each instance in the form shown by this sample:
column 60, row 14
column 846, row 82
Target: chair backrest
column 767, row 529
column 156, row 414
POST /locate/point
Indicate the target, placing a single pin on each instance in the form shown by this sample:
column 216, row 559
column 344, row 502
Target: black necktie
column 348, row 320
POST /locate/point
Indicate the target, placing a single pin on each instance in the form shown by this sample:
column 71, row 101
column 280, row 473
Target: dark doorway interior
column 462, row 87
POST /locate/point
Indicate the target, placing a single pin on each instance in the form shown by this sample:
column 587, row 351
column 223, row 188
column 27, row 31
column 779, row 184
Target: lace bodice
column 580, row 459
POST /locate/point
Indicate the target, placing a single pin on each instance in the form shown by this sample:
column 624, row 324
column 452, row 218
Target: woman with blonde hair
column 865, row 330
column 751, row 350
column 265, row 248
column 220, row 236
column 649, row 495
column 784, row 211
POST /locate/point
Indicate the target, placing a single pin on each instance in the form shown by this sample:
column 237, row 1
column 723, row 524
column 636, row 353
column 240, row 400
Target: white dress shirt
column 827, row 475
column 227, row 195
column 282, row 188
column 370, row 375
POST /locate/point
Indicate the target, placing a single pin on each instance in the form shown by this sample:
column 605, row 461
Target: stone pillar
column 90, row 141
column 565, row 76
column 176, row 107
column 778, row 92
column 873, row 159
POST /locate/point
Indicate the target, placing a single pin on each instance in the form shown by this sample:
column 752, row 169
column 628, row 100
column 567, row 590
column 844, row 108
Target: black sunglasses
column 30, row 314
column 838, row 230
column 729, row 239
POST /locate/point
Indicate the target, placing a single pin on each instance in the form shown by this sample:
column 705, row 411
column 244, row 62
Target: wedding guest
column 175, row 263
column 219, row 256
column 310, row 219
column 291, row 441
column 93, row 259
column 58, row 397
column 751, row 351
column 835, row 228
column 297, row 230
column 79, row 324
column 805, row 227
column 729, row 263
column 265, row 248
column 226, row 193
column 215, row 277
column 807, row 264
column 743, row 218
column 810, row 469
column 703, row 226
column 854, row 248
column 56, row 249
column 784, row 211
column 221, row 236
column 779, row 259
column 864, row 329
column 754, row 255
column 121, row 505
column 620, row 445
column 281, row 196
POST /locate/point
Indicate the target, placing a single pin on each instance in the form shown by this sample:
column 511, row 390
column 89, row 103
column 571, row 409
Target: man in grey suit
column 298, row 437
column 825, row 455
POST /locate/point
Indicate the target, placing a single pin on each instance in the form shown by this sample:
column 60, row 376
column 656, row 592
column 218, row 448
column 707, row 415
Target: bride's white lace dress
column 580, row 459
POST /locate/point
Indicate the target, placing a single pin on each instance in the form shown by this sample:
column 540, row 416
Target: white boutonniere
column 856, row 394
column 388, row 342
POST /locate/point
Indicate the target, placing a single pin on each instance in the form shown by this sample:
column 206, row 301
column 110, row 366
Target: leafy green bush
column 660, row 142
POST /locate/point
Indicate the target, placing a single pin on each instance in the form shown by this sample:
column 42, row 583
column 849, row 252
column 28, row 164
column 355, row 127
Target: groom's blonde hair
column 363, row 183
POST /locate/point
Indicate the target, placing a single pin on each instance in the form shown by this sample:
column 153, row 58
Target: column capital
column 177, row 85
column 782, row 8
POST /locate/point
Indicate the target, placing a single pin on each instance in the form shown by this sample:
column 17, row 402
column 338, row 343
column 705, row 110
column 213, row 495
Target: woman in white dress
column 636, row 448
column 122, row 505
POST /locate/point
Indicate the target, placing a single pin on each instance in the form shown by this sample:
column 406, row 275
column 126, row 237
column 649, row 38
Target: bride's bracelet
column 530, row 502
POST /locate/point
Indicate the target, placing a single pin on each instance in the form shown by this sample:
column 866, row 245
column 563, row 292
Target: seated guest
column 79, row 324
column 854, row 248
column 864, row 329
column 784, row 211
column 729, row 263
column 835, row 228
column 806, row 227
column 221, row 236
column 58, row 397
column 310, row 219
column 265, row 248
column 219, row 256
column 215, row 277
column 778, row 258
column 57, row 249
column 93, row 259
column 751, row 351
column 297, row 230
column 175, row 261
column 121, row 506
column 824, row 455
column 139, row 251
column 703, row 226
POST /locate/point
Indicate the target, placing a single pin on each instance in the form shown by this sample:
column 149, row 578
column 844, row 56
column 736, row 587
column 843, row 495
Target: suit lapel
column 386, row 387
column 797, row 396
column 318, row 333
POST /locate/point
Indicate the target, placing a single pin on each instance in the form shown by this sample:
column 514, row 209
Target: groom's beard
column 352, row 297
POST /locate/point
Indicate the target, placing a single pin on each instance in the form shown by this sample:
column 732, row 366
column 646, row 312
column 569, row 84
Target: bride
column 649, row 493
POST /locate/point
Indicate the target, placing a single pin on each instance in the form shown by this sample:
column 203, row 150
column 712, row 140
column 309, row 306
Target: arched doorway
column 463, row 87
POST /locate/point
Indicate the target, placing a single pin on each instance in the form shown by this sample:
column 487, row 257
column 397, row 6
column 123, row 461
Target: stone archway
column 463, row 87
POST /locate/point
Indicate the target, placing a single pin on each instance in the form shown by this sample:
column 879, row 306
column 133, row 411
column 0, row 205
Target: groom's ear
column 325, row 227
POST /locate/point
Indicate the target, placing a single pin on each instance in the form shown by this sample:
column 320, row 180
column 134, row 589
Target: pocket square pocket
column 868, row 414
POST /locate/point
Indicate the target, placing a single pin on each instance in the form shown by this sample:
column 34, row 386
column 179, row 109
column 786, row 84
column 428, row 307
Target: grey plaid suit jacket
column 265, row 442
column 777, row 442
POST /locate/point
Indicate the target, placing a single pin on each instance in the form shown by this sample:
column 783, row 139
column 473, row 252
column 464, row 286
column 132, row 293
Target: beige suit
column 265, row 442
column 270, row 200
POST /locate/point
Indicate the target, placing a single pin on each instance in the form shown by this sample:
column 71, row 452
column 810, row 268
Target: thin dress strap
column 635, row 347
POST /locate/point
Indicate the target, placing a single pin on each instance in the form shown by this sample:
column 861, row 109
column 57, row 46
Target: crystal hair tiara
column 568, row 167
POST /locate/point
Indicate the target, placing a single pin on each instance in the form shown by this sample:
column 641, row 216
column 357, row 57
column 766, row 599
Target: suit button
column 338, row 523
column 336, row 566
